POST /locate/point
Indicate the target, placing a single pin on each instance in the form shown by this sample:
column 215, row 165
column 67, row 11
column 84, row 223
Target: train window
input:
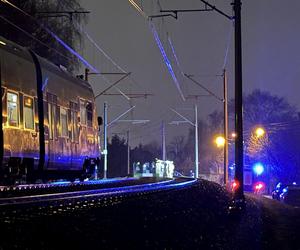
column 64, row 122
column 50, row 119
column 82, row 113
column 89, row 112
column 74, row 126
column 52, row 115
column 28, row 113
column 74, row 121
column 12, row 109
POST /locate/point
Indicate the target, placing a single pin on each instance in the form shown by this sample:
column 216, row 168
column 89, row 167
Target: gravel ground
column 194, row 217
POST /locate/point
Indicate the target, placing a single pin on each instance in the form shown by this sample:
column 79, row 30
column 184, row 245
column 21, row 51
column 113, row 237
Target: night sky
column 271, row 57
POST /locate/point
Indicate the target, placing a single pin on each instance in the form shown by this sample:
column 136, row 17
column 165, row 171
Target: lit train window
column 28, row 113
column 82, row 113
column 74, row 122
column 74, row 126
column 12, row 109
column 64, row 122
column 89, row 112
column 50, row 119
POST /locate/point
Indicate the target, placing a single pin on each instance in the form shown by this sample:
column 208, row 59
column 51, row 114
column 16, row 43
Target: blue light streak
column 72, row 51
column 166, row 59
column 175, row 56
column 45, row 83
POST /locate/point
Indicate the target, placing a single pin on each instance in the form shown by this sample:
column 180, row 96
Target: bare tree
column 14, row 23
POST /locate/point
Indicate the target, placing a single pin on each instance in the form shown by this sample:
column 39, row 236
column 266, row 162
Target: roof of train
column 21, row 51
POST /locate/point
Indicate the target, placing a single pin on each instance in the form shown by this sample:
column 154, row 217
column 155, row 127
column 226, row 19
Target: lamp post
column 105, row 141
column 225, row 105
column 196, row 144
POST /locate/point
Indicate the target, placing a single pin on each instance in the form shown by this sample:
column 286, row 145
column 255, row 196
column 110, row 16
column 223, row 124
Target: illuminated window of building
column 89, row 112
column 64, row 122
column 12, row 109
column 28, row 113
column 82, row 112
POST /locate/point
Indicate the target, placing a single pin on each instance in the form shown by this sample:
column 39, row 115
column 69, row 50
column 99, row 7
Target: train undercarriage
column 19, row 170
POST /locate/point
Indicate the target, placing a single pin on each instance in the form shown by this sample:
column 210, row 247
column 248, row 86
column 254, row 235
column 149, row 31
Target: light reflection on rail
column 143, row 188
column 65, row 183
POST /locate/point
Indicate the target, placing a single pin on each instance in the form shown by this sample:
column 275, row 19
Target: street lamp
column 260, row 132
column 220, row 141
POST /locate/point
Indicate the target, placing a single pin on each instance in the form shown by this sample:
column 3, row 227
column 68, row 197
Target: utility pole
column 196, row 144
column 105, row 141
column 225, row 102
column 163, row 136
column 128, row 154
column 239, row 154
column 106, row 125
column 195, row 124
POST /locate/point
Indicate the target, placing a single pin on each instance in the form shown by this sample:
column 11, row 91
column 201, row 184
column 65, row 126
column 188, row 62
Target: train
column 49, row 127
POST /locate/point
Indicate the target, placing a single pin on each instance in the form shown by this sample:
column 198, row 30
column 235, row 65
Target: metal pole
column 128, row 154
column 100, row 152
column 105, row 141
column 225, row 127
column 196, row 144
column 163, row 132
column 86, row 74
column 239, row 166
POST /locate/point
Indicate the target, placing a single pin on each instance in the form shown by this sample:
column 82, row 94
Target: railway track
column 30, row 206
column 64, row 186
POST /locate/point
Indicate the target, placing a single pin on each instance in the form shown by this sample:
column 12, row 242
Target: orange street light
column 220, row 141
column 260, row 132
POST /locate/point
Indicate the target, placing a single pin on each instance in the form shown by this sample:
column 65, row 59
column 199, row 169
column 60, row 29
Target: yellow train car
column 49, row 124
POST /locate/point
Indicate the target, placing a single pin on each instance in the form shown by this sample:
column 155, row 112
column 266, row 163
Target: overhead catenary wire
column 160, row 46
column 229, row 41
column 92, row 40
column 99, row 48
